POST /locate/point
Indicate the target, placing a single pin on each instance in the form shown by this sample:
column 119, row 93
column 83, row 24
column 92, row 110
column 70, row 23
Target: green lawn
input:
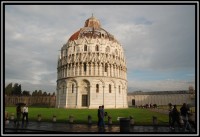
column 141, row 116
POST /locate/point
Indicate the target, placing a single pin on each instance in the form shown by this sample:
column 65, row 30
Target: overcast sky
column 159, row 42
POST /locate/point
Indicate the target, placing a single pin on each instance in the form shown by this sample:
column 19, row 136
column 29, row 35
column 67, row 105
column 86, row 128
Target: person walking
column 175, row 117
column 25, row 114
column 185, row 113
column 102, row 115
column 170, row 115
column 99, row 116
column 18, row 110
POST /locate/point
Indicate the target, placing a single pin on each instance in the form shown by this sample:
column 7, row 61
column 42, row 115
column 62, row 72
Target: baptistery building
column 91, row 70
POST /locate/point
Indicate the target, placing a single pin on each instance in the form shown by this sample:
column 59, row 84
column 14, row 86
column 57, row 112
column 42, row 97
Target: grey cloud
column 154, row 37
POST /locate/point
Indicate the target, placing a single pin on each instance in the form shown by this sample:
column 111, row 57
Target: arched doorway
column 84, row 100
column 85, row 92
column 133, row 102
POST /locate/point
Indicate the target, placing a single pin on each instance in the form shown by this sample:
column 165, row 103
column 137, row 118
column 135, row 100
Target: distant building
column 160, row 98
column 92, row 70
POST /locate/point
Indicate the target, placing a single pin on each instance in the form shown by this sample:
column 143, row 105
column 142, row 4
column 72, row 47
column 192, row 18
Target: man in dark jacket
column 175, row 117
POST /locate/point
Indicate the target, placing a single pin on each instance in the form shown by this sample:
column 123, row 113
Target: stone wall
column 160, row 98
column 49, row 101
column 139, row 99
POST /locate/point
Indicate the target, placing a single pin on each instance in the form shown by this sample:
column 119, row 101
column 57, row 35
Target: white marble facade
column 91, row 70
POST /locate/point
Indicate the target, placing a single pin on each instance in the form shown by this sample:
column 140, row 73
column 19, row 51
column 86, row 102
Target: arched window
column 119, row 90
column 97, row 48
column 107, row 49
column 110, row 90
column 85, row 48
column 97, row 88
column 85, row 67
column 72, row 88
column 106, row 67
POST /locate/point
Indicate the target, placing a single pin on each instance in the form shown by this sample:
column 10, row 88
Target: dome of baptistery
column 91, row 70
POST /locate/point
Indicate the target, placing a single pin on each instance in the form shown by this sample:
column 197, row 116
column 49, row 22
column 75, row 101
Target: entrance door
column 133, row 102
column 84, row 100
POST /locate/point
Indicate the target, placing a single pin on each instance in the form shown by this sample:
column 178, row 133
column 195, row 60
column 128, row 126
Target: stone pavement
column 50, row 127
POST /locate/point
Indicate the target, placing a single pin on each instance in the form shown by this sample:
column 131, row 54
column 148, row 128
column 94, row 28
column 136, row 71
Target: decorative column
column 103, row 95
column 87, row 69
column 77, row 97
column 90, row 68
column 122, row 73
column 90, row 96
column 65, row 70
column 81, row 69
column 57, row 89
column 74, row 69
column 66, row 97
column 70, row 70
column 103, row 68
column 108, row 70
column 77, row 68
column 114, row 70
column 100, row 70
column 111, row 70
column 95, row 69
column 61, row 72
column 58, row 97
column 115, row 97
column 118, row 71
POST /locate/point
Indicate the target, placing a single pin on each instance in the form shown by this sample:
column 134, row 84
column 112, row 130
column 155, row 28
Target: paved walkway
column 46, row 127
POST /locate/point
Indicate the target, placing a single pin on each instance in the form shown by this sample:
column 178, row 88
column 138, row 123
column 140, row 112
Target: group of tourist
column 24, row 112
column 179, row 117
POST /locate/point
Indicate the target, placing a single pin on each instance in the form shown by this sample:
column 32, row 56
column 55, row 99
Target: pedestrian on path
column 175, row 117
column 170, row 115
column 102, row 115
column 185, row 112
column 99, row 116
column 25, row 114
column 18, row 110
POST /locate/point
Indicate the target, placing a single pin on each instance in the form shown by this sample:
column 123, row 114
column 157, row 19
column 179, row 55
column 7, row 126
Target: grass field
column 141, row 116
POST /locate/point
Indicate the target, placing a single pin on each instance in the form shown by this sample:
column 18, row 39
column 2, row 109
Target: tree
column 40, row 93
column 44, row 94
column 26, row 93
column 34, row 93
column 8, row 89
column 17, row 90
